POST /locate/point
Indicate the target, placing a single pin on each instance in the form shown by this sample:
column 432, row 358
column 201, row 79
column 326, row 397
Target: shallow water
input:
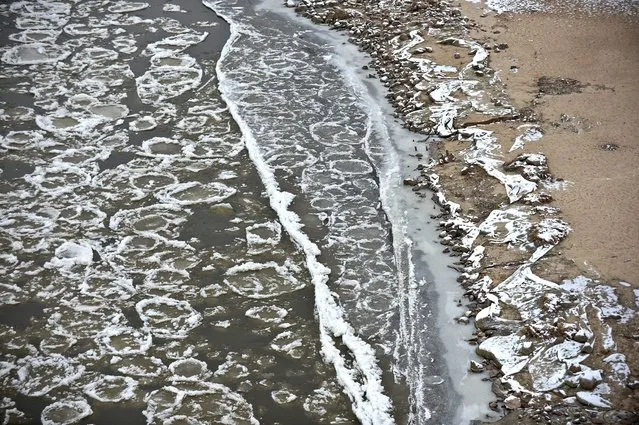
column 168, row 260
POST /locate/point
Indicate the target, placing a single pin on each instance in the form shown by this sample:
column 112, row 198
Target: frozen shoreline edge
column 460, row 232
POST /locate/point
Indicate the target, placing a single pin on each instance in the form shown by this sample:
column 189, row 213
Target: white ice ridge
column 362, row 380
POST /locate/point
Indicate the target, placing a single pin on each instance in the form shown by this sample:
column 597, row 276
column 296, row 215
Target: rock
column 621, row 417
column 498, row 388
column 411, row 182
column 476, row 367
column 504, row 351
column 588, row 383
column 574, row 368
column 511, row 402
column 527, row 348
column 587, row 349
column 590, row 380
column 593, row 400
column 463, row 320
column 549, row 231
column 581, row 336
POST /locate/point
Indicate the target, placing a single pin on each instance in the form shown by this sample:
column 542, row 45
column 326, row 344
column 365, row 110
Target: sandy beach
column 588, row 128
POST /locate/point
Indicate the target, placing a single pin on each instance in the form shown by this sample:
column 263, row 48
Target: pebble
column 476, row 367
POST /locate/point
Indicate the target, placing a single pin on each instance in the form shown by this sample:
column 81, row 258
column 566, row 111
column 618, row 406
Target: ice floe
column 122, row 340
column 65, row 412
column 70, row 254
column 179, row 403
column 267, row 314
column 111, row 388
column 168, row 79
column 127, row 6
column 37, row 376
column 35, row 53
column 195, row 193
column 262, row 280
column 167, row 317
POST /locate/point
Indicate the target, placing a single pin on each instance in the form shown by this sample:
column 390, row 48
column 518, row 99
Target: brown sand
column 602, row 200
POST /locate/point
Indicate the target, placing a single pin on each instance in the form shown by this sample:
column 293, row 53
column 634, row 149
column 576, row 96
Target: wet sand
column 589, row 130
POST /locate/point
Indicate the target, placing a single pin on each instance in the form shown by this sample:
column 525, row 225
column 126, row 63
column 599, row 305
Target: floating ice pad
column 127, row 6
column 70, row 254
column 189, row 369
column 195, row 193
column 167, row 317
column 35, row 36
column 65, row 412
column 174, row 44
column 111, row 389
column 162, row 146
column 283, row 396
column 143, row 124
column 34, row 53
column 163, row 82
column 122, row 340
column 267, row 313
column 261, row 280
column 110, row 111
column 289, row 343
column 39, row 375
column 263, row 237
column 351, row 166
column 94, row 56
column 206, row 403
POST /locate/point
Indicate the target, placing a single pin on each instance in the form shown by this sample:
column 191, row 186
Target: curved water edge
column 363, row 382
column 417, row 354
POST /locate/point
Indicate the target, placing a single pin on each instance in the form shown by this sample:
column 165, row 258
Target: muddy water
column 145, row 279
column 203, row 222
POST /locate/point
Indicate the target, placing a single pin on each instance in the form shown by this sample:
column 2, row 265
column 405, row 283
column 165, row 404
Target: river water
column 203, row 221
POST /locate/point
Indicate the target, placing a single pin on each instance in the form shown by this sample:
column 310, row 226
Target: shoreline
column 549, row 348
